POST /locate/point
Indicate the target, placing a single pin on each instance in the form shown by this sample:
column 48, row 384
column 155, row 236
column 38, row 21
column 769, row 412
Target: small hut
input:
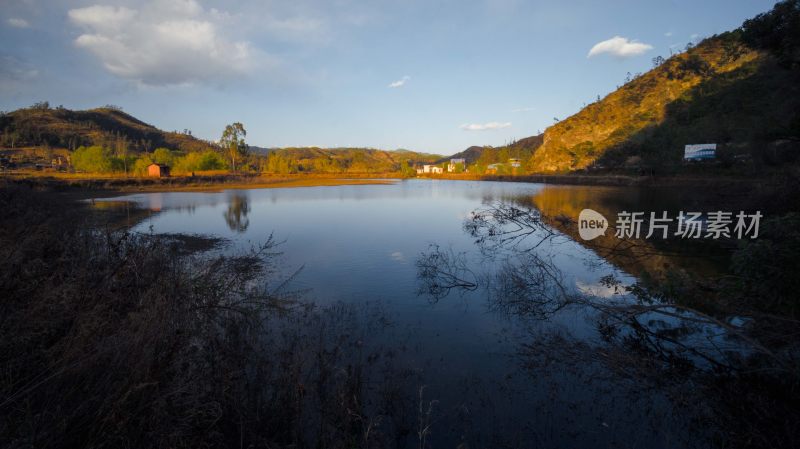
column 157, row 170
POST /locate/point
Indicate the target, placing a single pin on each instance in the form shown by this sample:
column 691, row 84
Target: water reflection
column 236, row 215
column 662, row 341
column 526, row 281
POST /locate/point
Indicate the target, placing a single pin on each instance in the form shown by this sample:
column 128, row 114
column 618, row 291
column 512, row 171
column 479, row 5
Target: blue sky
column 434, row 76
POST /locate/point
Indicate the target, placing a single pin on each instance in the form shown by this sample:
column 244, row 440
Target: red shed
column 157, row 170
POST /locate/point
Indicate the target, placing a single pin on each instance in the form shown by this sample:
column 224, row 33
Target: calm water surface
column 360, row 245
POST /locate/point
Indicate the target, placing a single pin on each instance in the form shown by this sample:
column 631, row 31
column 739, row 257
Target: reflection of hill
column 561, row 205
column 118, row 214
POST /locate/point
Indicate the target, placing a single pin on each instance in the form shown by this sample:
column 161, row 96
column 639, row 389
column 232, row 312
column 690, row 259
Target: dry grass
column 110, row 339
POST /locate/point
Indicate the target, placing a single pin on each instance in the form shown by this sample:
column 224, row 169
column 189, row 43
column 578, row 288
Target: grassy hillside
column 611, row 123
column 41, row 125
column 521, row 149
column 740, row 89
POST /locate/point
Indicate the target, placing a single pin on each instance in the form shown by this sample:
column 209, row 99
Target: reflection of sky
column 354, row 242
column 360, row 243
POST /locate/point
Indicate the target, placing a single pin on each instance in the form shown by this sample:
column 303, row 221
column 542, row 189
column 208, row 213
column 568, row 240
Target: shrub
column 92, row 159
column 163, row 156
column 140, row 166
column 208, row 160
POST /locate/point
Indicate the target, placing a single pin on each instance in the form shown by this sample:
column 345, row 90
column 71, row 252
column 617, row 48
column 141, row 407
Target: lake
column 506, row 331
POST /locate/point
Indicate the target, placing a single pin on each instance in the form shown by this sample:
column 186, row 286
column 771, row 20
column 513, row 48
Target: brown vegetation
column 112, row 339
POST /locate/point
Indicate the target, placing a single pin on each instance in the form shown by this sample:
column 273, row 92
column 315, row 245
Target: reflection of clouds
column 398, row 256
column 598, row 290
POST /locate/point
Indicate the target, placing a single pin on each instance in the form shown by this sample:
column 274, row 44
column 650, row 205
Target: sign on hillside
column 700, row 152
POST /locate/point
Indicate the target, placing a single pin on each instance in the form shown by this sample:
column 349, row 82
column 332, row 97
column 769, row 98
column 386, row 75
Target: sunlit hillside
column 738, row 90
column 42, row 125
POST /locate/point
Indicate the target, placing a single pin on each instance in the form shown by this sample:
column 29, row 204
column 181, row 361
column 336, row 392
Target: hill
column 739, row 89
column 344, row 160
column 482, row 156
column 41, row 125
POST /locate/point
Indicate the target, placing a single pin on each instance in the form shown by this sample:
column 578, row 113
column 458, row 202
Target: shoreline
column 110, row 184
column 114, row 185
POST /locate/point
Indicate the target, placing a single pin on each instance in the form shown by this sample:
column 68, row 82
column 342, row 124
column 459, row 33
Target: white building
column 492, row 168
column 430, row 169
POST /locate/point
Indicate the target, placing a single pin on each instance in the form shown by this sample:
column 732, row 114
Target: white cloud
column 525, row 109
column 400, row 83
column 18, row 23
column 620, row 47
column 485, row 126
column 165, row 42
column 668, row 34
column 598, row 289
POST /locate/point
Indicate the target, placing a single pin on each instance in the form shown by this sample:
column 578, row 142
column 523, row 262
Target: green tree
column 163, row 156
column 140, row 166
column 92, row 159
column 406, row 170
column 777, row 32
column 196, row 161
column 233, row 142
column 121, row 151
column 210, row 160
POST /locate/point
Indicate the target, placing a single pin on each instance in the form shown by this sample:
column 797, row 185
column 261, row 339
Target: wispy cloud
column 668, row 34
column 621, row 47
column 485, row 126
column 18, row 23
column 525, row 109
column 399, row 83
